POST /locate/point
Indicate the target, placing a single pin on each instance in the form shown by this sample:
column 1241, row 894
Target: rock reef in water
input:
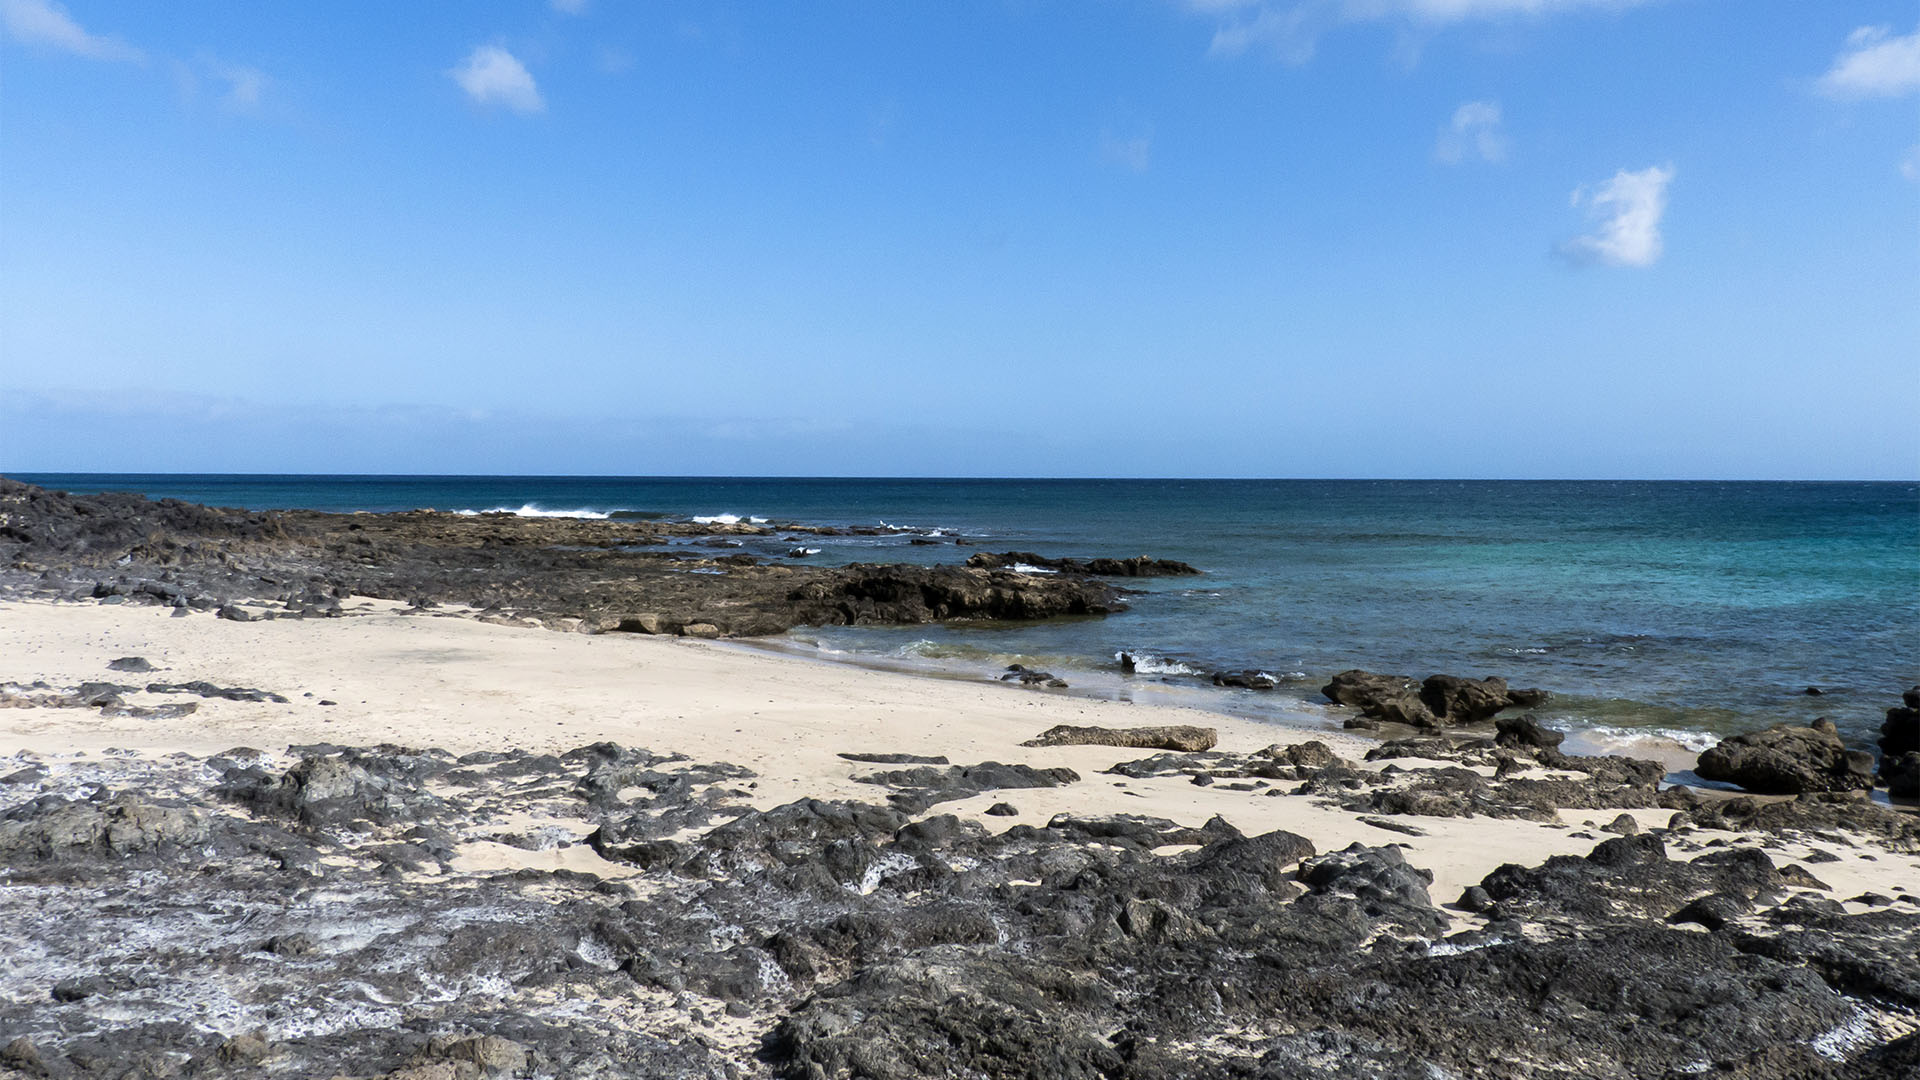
column 1439, row 701
column 1138, row 566
column 392, row 912
column 609, row 575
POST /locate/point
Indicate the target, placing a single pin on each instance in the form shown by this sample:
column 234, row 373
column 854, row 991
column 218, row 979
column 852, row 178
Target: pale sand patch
column 464, row 685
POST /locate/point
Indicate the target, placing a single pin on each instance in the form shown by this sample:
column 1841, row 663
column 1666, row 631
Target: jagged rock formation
column 386, row 912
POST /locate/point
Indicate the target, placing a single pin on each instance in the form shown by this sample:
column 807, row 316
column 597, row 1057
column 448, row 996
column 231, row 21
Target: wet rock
column 1384, row 697
column 1180, row 737
column 1437, row 701
column 1525, row 731
column 1901, row 775
column 1027, row 676
column 1457, row 700
column 1899, row 739
column 1139, row 566
column 1788, row 760
column 1245, row 680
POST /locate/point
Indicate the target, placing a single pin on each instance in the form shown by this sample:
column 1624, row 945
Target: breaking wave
column 529, row 510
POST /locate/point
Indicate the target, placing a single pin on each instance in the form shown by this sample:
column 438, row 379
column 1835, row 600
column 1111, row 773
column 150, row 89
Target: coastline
column 430, row 797
column 456, row 683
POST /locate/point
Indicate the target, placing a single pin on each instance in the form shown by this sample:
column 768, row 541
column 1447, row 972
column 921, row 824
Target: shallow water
column 1684, row 609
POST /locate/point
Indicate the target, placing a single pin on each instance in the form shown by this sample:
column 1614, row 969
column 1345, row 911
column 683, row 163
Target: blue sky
column 1575, row 238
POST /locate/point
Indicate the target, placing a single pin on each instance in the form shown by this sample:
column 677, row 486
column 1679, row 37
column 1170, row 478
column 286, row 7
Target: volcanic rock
column 1788, row 760
column 1182, row 737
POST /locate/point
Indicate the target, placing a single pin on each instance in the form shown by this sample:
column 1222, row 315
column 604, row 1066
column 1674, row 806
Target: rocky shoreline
column 356, row 911
column 404, row 912
column 638, row 576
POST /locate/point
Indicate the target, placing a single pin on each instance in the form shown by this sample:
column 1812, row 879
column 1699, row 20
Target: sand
column 461, row 684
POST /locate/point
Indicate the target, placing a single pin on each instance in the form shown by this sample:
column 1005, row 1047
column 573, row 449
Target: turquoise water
column 1685, row 607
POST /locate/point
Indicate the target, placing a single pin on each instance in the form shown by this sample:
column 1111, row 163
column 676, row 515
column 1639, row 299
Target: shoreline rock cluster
column 633, row 576
column 382, row 912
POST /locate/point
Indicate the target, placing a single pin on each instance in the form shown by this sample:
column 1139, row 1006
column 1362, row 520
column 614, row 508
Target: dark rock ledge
column 601, row 575
column 329, row 913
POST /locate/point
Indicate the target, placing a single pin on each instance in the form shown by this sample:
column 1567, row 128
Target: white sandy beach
column 461, row 685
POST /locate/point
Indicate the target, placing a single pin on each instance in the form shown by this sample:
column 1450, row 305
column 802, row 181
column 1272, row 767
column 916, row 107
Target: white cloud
column 569, row 7
column 1474, row 132
column 1291, row 28
column 1910, row 165
column 491, row 76
column 42, row 22
column 1628, row 209
column 244, row 85
column 1134, row 153
column 236, row 88
column 1876, row 64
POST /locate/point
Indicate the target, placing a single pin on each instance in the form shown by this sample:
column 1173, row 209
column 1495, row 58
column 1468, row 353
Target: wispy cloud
column 1133, row 152
column 237, row 88
column 492, row 76
column 1910, row 165
column 1875, row 64
column 569, row 7
column 1290, row 29
column 42, row 22
column 1473, row 132
column 1627, row 210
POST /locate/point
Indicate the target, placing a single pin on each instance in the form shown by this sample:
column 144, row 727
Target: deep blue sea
column 1684, row 609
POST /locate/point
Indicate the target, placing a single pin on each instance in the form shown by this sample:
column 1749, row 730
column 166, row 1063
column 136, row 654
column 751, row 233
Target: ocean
column 1679, row 611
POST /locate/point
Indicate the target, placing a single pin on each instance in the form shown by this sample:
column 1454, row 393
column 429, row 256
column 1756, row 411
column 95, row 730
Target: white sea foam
column 728, row 519
column 529, row 510
column 1149, row 664
column 1695, row 741
column 1027, row 568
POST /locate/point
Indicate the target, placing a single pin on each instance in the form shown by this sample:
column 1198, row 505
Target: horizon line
column 957, row 477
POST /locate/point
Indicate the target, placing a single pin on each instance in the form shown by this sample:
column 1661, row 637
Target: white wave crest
column 728, row 519
column 1149, row 664
column 529, row 510
column 1695, row 741
column 1026, row 568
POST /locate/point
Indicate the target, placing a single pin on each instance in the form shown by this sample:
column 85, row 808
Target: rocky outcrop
column 1186, row 738
column 1138, row 566
column 295, row 934
column 1899, row 745
column 603, row 575
column 1435, row 702
column 1788, row 760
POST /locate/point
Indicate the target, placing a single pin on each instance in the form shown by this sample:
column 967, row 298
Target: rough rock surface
column 1436, row 702
column 1789, row 760
column 398, row 913
column 632, row 576
column 1187, row 738
column 1899, row 742
column 1138, row 566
